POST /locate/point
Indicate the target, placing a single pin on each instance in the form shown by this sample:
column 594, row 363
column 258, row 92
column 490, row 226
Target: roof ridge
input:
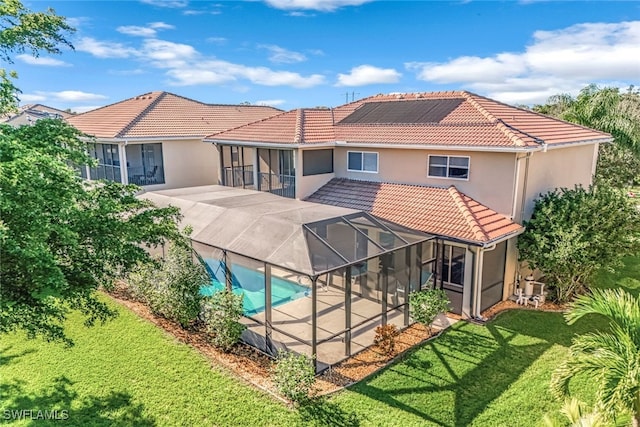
column 467, row 214
column 282, row 113
column 507, row 130
column 299, row 132
column 115, row 103
column 141, row 114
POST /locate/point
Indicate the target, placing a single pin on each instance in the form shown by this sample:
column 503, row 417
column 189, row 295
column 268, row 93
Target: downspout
column 523, row 198
column 477, row 278
column 516, row 180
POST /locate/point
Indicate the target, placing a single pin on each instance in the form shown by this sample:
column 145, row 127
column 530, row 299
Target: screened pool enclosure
column 316, row 279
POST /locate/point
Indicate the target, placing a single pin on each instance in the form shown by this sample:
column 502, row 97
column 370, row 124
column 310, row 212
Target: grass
column 627, row 277
column 128, row 372
column 472, row 375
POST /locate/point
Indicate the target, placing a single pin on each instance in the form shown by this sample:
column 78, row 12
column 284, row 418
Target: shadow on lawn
column 474, row 366
column 322, row 412
column 6, row 359
column 113, row 409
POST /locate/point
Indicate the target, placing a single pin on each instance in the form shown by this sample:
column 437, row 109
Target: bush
column 221, row 315
column 573, row 233
column 385, row 338
column 294, row 376
column 173, row 289
column 426, row 305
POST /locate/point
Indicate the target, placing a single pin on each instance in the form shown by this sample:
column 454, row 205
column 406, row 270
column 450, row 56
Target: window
column 453, row 264
column 362, row 161
column 145, row 165
column 316, row 162
column 449, row 167
column 108, row 162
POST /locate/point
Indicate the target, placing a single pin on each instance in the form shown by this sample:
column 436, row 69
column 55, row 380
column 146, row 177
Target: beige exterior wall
column 307, row 185
column 490, row 180
column 187, row 163
column 556, row 168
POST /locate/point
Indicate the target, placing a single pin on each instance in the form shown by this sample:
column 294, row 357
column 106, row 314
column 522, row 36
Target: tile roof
column 463, row 119
column 163, row 114
column 440, row 211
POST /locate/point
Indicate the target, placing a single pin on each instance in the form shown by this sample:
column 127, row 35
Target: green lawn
column 628, row 277
column 128, row 372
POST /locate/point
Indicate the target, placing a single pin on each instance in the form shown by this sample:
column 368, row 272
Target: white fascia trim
column 438, row 147
column 147, row 139
column 578, row 143
column 268, row 144
column 510, row 149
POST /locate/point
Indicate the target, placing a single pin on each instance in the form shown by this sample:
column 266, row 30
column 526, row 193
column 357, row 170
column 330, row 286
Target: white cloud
column 161, row 26
column 193, row 12
column 367, row 74
column 32, row 97
column 185, row 66
column 62, row 96
column 282, row 55
column 558, row 61
column 134, row 30
column 219, row 72
column 133, row 72
column 85, row 108
column 320, row 5
column 46, row 61
column 166, row 54
column 271, row 102
column 149, row 31
column 173, row 4
column 103, row 49
column 216, row 40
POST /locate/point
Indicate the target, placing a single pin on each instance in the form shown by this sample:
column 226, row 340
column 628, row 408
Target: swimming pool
column 250, row 283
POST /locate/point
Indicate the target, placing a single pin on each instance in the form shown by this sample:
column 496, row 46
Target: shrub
column 294, row 376
column 221, row 315
column 385, row 338
column 573, row 233
column 426, row 305
column 173, row 289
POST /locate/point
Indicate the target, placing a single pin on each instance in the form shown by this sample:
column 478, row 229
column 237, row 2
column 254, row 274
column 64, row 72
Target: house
column 30, row 113
column 155, row 139
column 455, row 165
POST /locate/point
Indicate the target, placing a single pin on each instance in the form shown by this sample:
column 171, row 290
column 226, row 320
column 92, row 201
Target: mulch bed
column 254, row 366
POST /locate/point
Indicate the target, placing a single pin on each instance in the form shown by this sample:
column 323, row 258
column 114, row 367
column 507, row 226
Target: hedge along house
column 316, row 278
column 452, row 164
column 155, row 139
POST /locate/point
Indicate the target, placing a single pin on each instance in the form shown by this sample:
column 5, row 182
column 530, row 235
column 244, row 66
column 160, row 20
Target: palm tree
column 577, row 414
column 612, row 358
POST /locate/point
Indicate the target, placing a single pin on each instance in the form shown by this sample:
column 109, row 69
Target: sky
column 308, row 53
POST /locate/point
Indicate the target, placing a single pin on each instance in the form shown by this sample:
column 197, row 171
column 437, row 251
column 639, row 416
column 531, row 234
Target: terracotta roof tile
column 433, row 210
column 163, row 114
column 476, row 122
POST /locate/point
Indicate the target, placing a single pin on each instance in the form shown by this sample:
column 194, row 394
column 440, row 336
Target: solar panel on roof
column 403, row 112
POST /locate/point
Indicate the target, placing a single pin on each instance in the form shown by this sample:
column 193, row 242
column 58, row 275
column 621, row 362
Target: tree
column 612, row 358
column 173, row 289
column 61, row 237
column 609, row 110
column 574, row 233
column 24, row 31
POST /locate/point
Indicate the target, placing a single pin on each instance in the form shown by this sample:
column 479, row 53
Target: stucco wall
column 490, row 174
column 556, row 168
column 188, row 163
column 307, row 185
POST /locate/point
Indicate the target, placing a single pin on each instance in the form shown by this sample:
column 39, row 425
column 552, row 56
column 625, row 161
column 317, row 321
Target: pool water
column 250, row 283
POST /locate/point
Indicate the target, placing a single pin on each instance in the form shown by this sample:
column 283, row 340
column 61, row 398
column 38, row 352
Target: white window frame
column 362, row 153
column 448, row 166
